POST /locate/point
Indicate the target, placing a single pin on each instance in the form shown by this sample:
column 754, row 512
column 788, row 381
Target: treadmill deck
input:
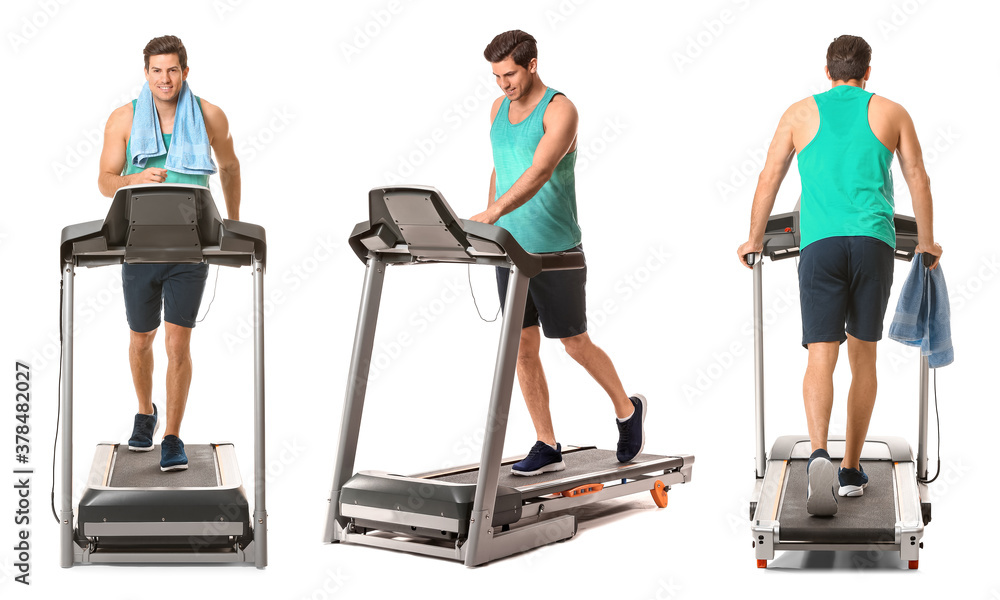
column 583, row 465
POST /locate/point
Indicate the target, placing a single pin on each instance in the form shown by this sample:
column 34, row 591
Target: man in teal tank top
column 845, row 139
column 533, row 196
column 177, row 289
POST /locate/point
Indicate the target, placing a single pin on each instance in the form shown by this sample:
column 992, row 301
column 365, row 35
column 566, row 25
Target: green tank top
column 547, row 222
column 846, row 181
column 159, row 161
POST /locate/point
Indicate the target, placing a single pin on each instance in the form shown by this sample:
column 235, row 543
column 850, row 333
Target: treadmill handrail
column 383, row 232
column 102, row 242
column 781, row 236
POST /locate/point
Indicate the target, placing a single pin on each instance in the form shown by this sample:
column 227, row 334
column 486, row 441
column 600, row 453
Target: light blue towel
column 923, row 315
column 189, row 152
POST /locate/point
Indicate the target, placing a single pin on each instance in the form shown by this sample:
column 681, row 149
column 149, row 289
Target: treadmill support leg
column 66, row 550
column 481, row 526
column 354, row 402
column 260, row 464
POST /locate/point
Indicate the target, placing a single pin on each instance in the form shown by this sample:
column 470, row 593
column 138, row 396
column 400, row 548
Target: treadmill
column 475, row 513
column 891, row 514
column 131, row 512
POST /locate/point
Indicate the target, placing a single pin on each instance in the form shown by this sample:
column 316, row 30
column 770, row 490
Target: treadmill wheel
column 659, row 494
column 761, row 563
column 913, row 564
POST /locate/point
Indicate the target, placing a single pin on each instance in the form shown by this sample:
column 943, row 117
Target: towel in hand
column 923, row 315
column 189, row 151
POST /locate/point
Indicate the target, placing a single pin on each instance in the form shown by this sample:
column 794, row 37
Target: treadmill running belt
column 579, row 462
column 142, row 469
column 862, row 519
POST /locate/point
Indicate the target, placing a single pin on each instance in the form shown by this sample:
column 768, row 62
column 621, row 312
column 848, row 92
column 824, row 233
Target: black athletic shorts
column 844, row 280
column 556, row 300
column 174, row 288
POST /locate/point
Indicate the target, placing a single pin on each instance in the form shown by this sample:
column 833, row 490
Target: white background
column 677, row 102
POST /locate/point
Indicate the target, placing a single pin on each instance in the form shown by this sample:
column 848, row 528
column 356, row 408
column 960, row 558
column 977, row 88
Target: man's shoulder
column 560, row 107
column 121, row 118
column 881, row 103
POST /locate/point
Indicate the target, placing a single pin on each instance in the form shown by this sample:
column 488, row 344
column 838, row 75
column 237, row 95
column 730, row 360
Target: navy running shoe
column 631, row 437
column 172, row 456
column 142, row 432
column 820, row 499
column 541, row 459
column 852, row 481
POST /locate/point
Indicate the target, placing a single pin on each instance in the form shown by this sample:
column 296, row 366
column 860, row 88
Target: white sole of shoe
column 821, row 500
column 852, row 490
column 174, row 468
column 559, row 466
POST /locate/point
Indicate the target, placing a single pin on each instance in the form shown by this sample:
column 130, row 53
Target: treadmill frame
column 379, row 243
column 781, row 241
column 99, row 243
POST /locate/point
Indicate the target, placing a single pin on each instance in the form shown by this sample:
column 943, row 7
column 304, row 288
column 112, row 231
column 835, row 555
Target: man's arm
column 779, row 158
column 110, row 177
column 217, row 126
column 493, row 189
column 560, row 134
column 911, row 162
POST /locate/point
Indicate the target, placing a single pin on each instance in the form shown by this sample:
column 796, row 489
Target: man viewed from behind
column 845, row 139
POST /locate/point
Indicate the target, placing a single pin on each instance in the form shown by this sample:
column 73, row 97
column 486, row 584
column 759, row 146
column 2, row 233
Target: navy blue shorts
column 174, row 288
column 844, row 280
column 557, row 300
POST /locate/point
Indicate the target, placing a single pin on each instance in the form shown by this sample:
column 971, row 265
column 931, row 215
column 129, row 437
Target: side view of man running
column 533, row 196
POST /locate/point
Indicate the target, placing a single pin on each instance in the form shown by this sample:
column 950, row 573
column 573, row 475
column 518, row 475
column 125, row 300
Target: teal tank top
column 547, row 222
column 159, row 161
column 846, row 181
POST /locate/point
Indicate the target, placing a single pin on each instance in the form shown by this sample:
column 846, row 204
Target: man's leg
column 531, row 378
column 140, row 359
column 860, row 398
column 817, row 391
column 583, row 350
column 179, row 367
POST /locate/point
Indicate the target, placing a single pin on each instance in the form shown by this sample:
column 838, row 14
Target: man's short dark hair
column 516, row 44
column 848, row 58
column 166, row 44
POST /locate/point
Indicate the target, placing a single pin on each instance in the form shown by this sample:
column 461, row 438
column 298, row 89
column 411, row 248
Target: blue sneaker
column 142, row 432
column 172, row 457
column 631, row 437
column 541, row 459
column 852, row 481
column 820, row 499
